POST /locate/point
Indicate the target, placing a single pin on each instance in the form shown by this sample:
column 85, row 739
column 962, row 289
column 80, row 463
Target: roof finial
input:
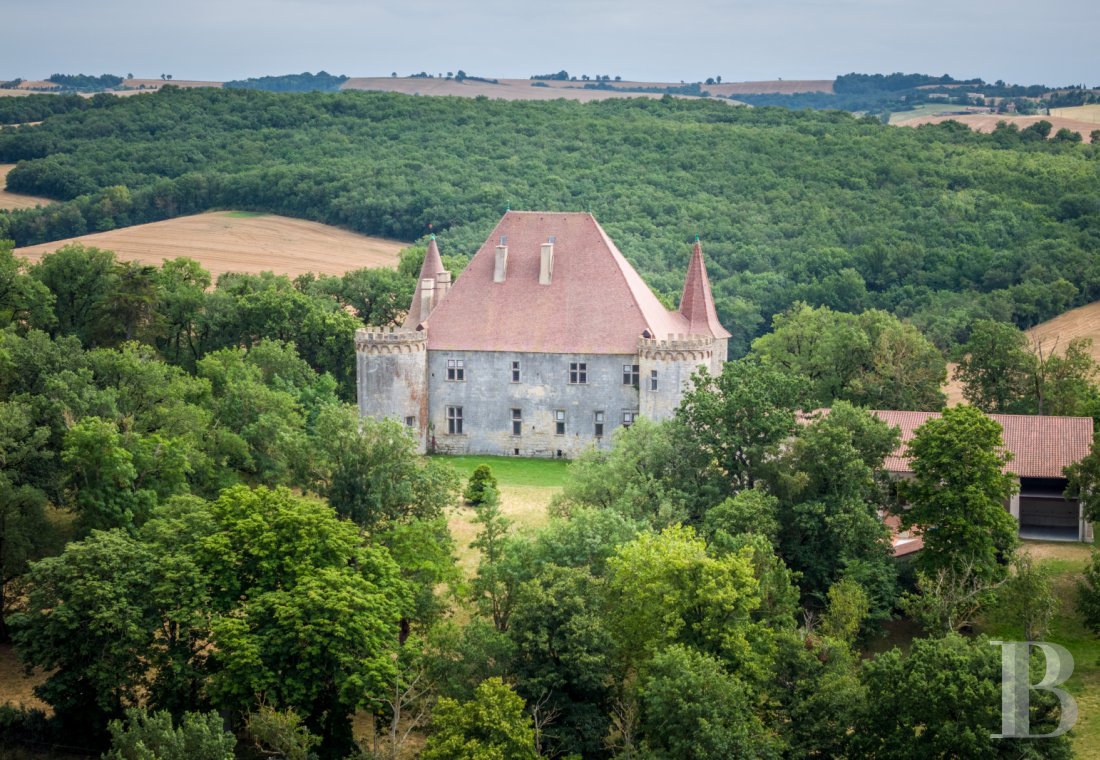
column 697, row 238
column 432, row 236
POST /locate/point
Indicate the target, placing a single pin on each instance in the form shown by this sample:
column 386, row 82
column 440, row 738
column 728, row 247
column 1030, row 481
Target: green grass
column 514, row 471
column 243, row 214
column 926, row 109
column 1066, row 562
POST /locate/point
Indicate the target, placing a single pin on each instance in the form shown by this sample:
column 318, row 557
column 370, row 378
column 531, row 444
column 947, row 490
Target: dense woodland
column 938, row 224
column 208, row 555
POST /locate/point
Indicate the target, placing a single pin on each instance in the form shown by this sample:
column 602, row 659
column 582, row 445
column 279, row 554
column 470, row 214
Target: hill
column 939, row 225
column 227, row 241
column 16, row 200
column 1082, row 322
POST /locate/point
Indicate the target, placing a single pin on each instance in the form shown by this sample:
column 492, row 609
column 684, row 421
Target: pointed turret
column 428, row 292
column 697, row 303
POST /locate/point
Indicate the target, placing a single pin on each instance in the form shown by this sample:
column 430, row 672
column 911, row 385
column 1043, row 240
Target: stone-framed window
column 578, row 373
column 599, row 425
column 515, row 372
column 456, row 370
column 630, row 374
column 559, row 422
column 517, row 421
column 653, row 379
column 410, row 422
column 454, row 420
column 629, row 415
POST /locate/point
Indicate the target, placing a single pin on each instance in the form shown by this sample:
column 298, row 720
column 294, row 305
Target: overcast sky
column 1021, row 41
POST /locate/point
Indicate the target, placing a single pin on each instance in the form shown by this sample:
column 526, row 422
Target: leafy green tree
column 691, row 707
column 481, row 480
column 666, row 589
column 750, row 511
column 871, row 359
column 958, row 493
column 26, row 534
column 1027, row 598
column 181, row 286
column 564, row 657
column 370, row 472
column 128, row 311
column 1083, row 481
column 848, row 607
column 943, row 699
column 87, row 623
column 146, row 736
column 995, row 367
column 493, row 587
column 491, row 725
column 830, row 486
column 24, row 300
column 736, row 420
column 81, row 280
column 280, row 733
column 1088, row 594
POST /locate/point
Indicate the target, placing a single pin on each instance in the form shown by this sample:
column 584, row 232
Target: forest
column 207, row 555
column 938, row 225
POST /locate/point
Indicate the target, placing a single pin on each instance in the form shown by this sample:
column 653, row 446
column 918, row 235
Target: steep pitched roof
column 429, row 270
column 1041, row 446
column 697, row 303
column 595, row 302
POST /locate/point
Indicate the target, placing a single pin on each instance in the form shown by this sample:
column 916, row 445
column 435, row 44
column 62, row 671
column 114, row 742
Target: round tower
column 665, row 368
column 392, row 376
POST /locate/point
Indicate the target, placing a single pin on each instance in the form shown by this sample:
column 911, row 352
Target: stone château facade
column 546, row 344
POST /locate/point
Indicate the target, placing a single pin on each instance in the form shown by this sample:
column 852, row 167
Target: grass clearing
column 526, row 489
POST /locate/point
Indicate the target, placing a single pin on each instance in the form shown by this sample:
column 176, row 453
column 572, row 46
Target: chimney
column 502, row 263
column 442, row 286
column 546, row 269
column 427, row 292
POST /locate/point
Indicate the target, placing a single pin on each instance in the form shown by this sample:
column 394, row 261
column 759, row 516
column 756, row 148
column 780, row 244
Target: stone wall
column 391, row 376
column 487, row 397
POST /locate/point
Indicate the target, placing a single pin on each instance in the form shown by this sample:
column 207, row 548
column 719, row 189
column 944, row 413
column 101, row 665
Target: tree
column 994, row 367
column 958, row 493
column 563, row 657
column 848, row 607
column 481, row 481
column 1027, row 598
column 81, row 280
column 145, row 736
column 491, row 725
column 666, row 589
column 949, row 599
column 871, row 359
column 280, row 733
column 735, row 421
column 1088, row 594
column 943, row 699
column 24, row 300
column 493, row 587
column 25, row 535
column 691, row 707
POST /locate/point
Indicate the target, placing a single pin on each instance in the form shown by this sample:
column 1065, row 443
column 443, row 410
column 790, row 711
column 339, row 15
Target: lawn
column 526, row 488
column 1066, row 562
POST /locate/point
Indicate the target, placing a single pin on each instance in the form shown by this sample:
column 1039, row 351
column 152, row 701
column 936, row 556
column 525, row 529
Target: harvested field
column 506, row 89
column 16, row 200
column 226, row 241
column 1089, row 113
column 779, row 86
column 1083, row 322
column 987, row 122
column 156, row 84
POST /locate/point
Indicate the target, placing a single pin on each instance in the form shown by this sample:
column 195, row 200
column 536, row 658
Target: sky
column 1050, row 42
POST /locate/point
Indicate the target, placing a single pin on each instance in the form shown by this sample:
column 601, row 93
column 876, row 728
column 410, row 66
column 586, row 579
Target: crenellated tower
column 665, row 367
column 697, row 308
column 392, row 376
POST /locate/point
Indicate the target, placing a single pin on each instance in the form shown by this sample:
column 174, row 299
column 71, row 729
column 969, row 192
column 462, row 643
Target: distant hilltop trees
column 322, row 81
column 85, row 82
column 563, row 76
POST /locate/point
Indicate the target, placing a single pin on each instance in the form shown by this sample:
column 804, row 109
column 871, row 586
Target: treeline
column 322, row 81
column 85, row 293
column 854, row 84
column 939, row 225
column 86, row 82
column 37, row 107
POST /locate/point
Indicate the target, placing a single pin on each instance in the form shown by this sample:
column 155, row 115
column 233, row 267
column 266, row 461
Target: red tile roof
column 595, row 303
column 697, row 303
column 1041, row 446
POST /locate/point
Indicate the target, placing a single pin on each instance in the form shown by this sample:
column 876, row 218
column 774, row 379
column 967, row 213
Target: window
column 630, row 374
column 629, row 417
column 653, row 379
column 456, row 370
column 410, row 421
column 517, row 421
column 454, row 420
column 578, row 373
column 559, row 422
column 599, row 424
column 515, row 372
